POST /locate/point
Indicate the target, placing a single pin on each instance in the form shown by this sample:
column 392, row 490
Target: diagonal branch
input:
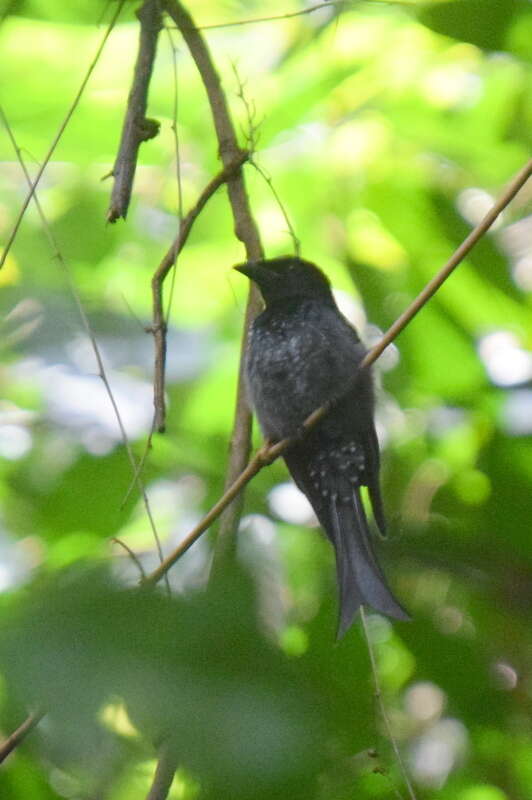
column 137, row 128
column 159, row 328
column 164, row 773
column 276, row 17
column 18, row 736
column 341, row 4
column 459, row 254
column 270, row 452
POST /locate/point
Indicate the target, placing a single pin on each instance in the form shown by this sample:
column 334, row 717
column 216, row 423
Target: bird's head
column 287, row 277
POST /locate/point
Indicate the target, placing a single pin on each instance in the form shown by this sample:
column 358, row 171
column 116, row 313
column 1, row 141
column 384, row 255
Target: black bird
column 303, row 353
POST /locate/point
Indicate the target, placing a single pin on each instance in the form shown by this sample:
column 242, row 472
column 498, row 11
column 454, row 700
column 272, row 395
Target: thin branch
column 175, row 110
column 177, row 152
column 252, row 132
column 469, row 242
column 137, row 128
column 275, row 17
column 159, row 328
column 160, row 319
column 255, row 465
column 295, row 239
column 18, row 736
column 302, row 12
column 380, row 701
column 159, row 325
column 270, row 452
column 57, row 137
column 245, row 230
column 252, row 136
column 139, row 467
column 90, row 335
column 133, row 556
column 164, row 773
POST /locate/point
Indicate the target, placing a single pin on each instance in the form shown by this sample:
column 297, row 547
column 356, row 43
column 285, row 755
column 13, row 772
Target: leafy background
column 386, row 129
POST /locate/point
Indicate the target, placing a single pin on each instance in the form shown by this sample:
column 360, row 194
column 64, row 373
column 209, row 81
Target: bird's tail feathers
column 360, row 579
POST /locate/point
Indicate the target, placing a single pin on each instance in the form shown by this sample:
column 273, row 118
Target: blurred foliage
column 386, row 129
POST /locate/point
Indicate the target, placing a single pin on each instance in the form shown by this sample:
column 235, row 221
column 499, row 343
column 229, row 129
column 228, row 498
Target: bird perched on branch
column 303, row 354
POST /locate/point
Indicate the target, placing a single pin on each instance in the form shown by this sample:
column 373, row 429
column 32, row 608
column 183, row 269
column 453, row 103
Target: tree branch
column 270, row 452
column 136, row 128
column 276, row 17
column 459, row 254
column 164, row 773
column 159, row 328
column 20, row 734
column 245, row 230
column 132, row 555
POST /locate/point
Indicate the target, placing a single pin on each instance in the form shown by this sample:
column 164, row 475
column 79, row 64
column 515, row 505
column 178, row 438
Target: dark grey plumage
column 301, row 354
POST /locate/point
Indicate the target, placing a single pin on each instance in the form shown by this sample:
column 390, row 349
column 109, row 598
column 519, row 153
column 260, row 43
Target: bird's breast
column 292, row 368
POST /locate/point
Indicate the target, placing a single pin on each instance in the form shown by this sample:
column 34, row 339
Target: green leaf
column 485, row 23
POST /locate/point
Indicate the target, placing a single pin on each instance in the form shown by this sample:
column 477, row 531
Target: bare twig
column 245, row 230
column 275, row 17
column 159, row 327
column 138, row 469
column 137, row 128
column 20, row 734
column 469, row 242
column 57, row 137
column 177, row 158
column 252, row 136
column 303, row 12
column 133, row 556
column 174, row 123
column 160, row 319
column 269, row 453
column 164, row 773
column 255, row 465
column 380, row 701
column 295, row 239
column 252, row 132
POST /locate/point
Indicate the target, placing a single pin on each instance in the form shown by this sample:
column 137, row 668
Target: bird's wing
column 330, row 477
column 370, row 446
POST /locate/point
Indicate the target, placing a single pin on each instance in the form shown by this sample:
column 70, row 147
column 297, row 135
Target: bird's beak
column 257, row 271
